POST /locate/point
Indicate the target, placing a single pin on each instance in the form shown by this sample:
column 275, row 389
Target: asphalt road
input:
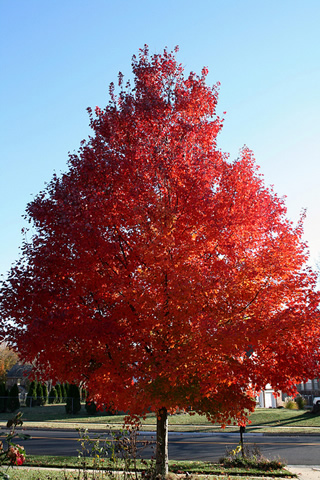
column 295, row 450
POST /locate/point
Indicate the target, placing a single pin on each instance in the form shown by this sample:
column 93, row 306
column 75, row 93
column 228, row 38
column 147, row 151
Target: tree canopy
column 162, row 274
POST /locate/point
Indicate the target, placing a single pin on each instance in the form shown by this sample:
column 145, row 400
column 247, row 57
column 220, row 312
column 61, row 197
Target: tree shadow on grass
column 304, row 420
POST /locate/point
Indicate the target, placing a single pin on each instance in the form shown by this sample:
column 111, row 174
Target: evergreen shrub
column 91, row 407
column 53, row 396
column 13, row 400
column 45, row 393
column 32, row 394
column 3, row 397
column 40, row 399
column 73, row 404
column 59, row 393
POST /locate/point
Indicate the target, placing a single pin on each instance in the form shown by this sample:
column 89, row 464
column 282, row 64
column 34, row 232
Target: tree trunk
column 162, row 443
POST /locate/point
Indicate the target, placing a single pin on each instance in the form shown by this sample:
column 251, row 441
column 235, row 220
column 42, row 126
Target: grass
column 205, row 469
column 285, row 418
column 178, row 467
column 263, row 420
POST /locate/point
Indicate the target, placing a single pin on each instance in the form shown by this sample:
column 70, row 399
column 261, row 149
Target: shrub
column 250, row 458
column 3, row 397
column 66, row 388
column 300, row 401
column 73, row 404
column 32, row 395
column 63, row 392
column 40, row 399
column 13, row 400
column 91, row 407
column 84, row 394
column 53, row 396
column 290, row 404
column 59, row 393
column 122, row 448
column 45, row 393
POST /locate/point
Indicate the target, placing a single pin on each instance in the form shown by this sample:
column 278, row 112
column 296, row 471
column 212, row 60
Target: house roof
column 19, row 371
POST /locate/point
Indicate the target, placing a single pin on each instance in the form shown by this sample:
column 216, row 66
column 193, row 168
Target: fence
column 31, row 402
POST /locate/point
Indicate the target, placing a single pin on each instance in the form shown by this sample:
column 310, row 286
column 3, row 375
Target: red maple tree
column 160, row 274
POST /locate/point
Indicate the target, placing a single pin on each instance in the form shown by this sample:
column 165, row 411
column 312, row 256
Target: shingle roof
column 19, row 371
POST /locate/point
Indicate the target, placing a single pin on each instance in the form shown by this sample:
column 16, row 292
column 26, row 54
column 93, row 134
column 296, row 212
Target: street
column 295, row 450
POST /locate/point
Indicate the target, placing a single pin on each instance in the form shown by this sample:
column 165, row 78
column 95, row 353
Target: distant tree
column 13, row 399
column 8, row 358
column 32, row 394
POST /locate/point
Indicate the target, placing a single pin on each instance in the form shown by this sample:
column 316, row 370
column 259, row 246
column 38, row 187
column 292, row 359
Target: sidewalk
column 305, row 472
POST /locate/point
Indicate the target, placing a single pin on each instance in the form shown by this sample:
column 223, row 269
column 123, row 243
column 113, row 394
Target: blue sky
column 58, row 57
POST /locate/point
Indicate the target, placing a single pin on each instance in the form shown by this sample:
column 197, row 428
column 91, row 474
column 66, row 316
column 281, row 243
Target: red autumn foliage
column 160, row 274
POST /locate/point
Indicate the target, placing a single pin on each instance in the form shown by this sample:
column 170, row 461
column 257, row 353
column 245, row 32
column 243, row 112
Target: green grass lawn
column 175, row 466
column 283, row 418
column 264, row 420
column 195, row 469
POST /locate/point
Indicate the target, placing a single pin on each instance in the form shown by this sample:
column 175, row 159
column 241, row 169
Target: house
column 19, row 374
column 268, row 399
column 309, row 390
